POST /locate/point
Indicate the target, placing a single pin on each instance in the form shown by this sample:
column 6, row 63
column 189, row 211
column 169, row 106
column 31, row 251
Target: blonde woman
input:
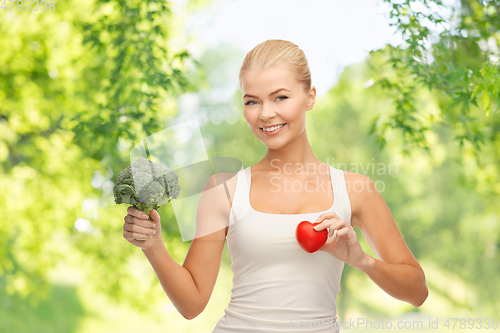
column 277, row 286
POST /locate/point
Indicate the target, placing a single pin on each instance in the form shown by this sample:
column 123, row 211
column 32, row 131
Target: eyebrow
column 274, row 92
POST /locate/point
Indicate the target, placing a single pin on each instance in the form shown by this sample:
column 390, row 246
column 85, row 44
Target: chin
column 274, row 145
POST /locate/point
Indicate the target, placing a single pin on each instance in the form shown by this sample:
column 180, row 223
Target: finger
column 134, row 235
column 324, row 222
column 346, row 232
column 322, row 225
column 324, row 216
column 140, row 222
column 332, row 223
column 139, row 229
column 327, row 215
column 335, row 235
column 137, row 242
column 137, row 213
column 155, row 216
column 331, row 228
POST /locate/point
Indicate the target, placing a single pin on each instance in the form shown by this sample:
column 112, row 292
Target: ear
column 311, row 98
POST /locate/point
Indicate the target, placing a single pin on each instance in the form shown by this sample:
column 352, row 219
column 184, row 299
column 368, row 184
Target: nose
column 267, row 112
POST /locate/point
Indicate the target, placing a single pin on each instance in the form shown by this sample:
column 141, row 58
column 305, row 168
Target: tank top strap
column 241, row 202
column 342, row 204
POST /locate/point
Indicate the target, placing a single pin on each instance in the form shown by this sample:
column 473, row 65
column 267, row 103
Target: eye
column 248, row 103
column 284, row 97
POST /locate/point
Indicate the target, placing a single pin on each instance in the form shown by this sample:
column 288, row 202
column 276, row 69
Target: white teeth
column 270, row 129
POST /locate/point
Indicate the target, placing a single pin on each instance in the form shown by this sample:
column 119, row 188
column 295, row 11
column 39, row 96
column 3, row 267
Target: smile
column 273, row 130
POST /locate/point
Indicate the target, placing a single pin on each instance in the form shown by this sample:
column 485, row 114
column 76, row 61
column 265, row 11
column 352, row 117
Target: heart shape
column 309, row 239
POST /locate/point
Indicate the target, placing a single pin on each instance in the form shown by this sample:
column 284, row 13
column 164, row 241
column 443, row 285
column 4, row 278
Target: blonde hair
column 275, row 52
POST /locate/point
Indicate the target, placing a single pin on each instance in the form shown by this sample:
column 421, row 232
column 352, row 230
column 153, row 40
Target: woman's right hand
column 141, row 231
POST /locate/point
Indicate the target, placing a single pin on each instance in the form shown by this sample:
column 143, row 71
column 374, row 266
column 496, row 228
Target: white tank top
column 277, row 286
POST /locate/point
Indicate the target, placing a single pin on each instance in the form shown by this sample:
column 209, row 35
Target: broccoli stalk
column 144, row 184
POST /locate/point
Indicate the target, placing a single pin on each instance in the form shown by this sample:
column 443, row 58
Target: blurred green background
column 82, row 84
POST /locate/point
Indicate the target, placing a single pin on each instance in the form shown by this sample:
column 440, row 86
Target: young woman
column 277, row 286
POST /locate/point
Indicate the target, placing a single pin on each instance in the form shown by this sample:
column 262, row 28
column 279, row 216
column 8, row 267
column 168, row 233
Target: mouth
column 272, row 130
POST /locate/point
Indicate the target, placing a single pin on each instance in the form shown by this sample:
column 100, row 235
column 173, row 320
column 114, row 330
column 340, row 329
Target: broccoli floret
column 144, row 184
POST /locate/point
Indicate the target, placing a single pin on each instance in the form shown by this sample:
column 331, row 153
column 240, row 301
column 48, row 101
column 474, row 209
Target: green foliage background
column 81, row 85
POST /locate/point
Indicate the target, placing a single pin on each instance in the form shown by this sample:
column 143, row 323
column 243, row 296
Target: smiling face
column 273, row 97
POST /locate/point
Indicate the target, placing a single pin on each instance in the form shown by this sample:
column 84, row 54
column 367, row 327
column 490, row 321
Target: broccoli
column 145, row 184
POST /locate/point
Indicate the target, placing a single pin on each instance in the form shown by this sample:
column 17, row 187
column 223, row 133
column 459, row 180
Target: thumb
column 154, row 215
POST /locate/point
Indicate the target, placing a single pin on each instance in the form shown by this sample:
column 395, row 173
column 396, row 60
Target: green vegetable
column 144, row 184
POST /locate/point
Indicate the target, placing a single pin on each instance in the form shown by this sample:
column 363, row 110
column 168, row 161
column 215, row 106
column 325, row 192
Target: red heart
column 309, row 239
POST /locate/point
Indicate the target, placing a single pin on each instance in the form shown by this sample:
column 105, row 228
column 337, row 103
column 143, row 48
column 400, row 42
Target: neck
column 297, row 155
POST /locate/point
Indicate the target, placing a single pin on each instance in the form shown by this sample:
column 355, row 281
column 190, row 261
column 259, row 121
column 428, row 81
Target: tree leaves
column 116, row 72
column 455, row 65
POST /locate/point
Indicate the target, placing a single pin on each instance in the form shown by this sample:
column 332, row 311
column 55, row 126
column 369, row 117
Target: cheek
column 248, row 117
column 294, row 114
column 251, row 119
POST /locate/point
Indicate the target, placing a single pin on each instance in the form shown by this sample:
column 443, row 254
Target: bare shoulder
column 216, row 200
column 226, row 181
column 359, row 188
column 375, row 221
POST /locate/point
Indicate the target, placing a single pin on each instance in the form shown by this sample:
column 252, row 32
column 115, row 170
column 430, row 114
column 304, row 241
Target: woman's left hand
column 342, row 241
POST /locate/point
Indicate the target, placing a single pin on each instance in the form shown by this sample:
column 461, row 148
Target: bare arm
column 397, row 272
column 175, row 280
column 190, row 286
